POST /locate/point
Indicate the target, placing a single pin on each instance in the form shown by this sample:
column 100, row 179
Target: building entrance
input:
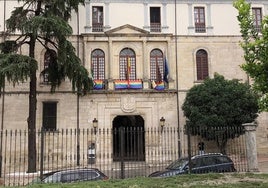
column 128, row 138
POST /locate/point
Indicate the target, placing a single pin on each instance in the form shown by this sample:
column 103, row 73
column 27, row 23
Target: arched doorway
column 128, row 138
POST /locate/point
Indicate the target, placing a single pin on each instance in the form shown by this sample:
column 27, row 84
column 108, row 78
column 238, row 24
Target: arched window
column 201, row 64
column 49, row 58
column 127, row 64
column 98, row 64
column 156, row 65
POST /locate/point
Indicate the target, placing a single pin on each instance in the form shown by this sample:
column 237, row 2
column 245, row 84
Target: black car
column 73, row 175
column 204, row 163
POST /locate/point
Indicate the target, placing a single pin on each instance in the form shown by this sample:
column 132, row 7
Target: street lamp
column 95, row 125
column 162, row 123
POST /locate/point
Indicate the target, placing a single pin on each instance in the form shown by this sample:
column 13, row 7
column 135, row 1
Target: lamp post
column 162, row 123
column 95, row 125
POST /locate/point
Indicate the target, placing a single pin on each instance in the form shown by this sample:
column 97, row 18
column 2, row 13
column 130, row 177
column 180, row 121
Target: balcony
column 155, row 27
column 97, row 27
column 200, row 28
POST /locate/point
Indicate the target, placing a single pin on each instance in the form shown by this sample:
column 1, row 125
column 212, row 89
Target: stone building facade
column 127, row 44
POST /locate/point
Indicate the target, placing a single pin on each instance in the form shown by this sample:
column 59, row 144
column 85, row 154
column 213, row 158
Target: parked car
column 73, row 175
column 205, row 163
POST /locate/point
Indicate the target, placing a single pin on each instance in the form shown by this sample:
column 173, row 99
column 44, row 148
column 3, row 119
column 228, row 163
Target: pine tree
column 42, row 22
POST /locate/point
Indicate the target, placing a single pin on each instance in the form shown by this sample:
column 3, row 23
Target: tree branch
column 46, row 40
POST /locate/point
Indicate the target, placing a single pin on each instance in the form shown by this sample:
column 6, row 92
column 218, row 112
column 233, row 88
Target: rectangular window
column 97, row 19
column 155, row 19
column 199, row 19
column 50, row 116
column 257, row 18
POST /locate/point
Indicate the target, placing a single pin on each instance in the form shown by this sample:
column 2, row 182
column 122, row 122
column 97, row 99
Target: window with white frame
column 97, row 19
column 257, row 18
column 155, row 19
column 199, row 19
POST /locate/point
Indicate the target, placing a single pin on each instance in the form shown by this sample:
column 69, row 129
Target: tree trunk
column 32, row 115
column 32, row 102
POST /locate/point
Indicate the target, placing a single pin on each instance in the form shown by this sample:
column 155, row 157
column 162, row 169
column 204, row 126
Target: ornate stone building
column 144, row 56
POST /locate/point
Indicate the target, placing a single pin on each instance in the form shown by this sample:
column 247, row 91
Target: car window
column 69, row 177
column 88, row 175
column 198, row 163
column 178, row 164
column 222, row 159
column 55, row 178
column 194, row 163
column 207, row 161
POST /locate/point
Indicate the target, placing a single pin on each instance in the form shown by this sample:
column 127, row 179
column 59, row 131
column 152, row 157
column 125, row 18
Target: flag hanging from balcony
column 135, row 84
column 166, row 71
column 98, row 84
column 158, row 85
column 128, row 84
column 128, row 69
column 121, row 84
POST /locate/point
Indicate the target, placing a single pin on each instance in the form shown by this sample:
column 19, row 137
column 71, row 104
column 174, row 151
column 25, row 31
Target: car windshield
column 178, row 164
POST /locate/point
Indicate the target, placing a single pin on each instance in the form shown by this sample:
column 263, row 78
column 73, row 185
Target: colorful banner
column 158, row 85
column 121, row 84
column 135, row 84
column 128, row 84
column 98, row 84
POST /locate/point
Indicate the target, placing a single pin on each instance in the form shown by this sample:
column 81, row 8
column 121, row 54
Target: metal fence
column 119, row 153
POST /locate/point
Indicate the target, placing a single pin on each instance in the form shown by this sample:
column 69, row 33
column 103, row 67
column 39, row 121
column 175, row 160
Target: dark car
column 204, row 163
column 73, row 175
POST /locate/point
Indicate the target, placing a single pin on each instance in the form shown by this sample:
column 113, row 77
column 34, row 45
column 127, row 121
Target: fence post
column 188, row 131
column 122, row 151
column 251, row 147
column 42, row 153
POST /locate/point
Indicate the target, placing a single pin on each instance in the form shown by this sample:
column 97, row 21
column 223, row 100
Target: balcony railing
column 200, row 28
column 97, row 27
column 155, row 27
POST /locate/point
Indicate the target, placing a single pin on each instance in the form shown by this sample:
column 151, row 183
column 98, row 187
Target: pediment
column 126, row 29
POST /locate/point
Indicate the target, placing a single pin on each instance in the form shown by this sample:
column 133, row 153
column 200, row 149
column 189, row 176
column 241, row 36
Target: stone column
column 251, row 146
column 109, row 69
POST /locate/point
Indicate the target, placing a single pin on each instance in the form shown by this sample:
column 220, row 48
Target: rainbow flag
column 158, row 85
column 121, row 84
column 135, row 84
column 98, row 84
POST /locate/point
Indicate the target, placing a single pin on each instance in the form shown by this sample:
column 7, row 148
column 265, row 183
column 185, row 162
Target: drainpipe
column 177, row 84
column 77, row 104
column 2, row 127
column 3, row 98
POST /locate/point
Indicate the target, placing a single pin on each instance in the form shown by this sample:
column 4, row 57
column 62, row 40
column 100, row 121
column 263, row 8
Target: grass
column 235, row 180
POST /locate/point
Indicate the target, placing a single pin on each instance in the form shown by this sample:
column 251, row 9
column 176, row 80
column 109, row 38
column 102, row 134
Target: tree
column 255, row 46
column 44, row 22
column 217, row 108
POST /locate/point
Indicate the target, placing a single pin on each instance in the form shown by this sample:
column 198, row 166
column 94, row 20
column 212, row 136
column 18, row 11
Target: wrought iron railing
column 119, row 153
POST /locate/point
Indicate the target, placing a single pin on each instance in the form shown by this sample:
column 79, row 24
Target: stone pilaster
column 251, row 146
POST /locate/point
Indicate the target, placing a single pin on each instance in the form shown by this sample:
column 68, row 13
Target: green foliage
column 8, row 46
column 46, row 22
column 255, row 48
column 42, row 22
column 16, row 67
column 219, row 104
